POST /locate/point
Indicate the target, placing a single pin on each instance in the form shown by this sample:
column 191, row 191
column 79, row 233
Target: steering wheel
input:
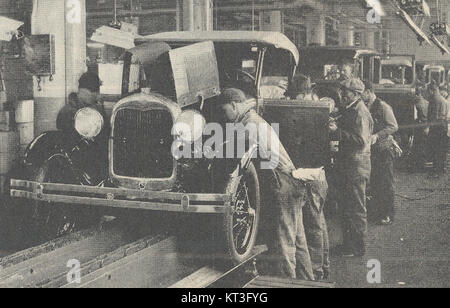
column 238, row 74
column 244, row 73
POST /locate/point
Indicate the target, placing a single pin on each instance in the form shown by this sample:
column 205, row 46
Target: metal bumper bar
column 121, row 198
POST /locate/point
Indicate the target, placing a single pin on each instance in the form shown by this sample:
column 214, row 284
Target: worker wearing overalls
column 383, row 155
column 289, row 248
column 354, row 130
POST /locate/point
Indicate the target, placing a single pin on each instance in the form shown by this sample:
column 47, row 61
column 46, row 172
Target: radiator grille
column 142, row 143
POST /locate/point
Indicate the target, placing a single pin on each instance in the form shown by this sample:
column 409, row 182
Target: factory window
column 366, row 68
column 297, row 34
column 395, row 74
column 331, row 32
column 357, row 38
column 376, row 70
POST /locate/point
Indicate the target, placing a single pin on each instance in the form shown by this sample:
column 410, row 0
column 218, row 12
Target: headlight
column 189, row 126
column 88, row 122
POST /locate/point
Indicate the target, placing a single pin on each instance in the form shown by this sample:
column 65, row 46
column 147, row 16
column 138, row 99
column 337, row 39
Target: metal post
column 178, row 15
column 198, row 15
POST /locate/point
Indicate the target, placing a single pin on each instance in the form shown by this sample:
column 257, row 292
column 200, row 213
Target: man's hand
column 373, row 139
column 332, row 126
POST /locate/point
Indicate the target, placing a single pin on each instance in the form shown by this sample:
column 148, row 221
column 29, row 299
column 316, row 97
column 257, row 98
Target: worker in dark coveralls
column 382, row 156
column 289, row 249
column 354, row 130
column 87, row 96
column 421, row 132
column 437, row 117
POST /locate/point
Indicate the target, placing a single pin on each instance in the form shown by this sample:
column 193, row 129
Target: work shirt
column 385, row 124
column 355, row 130
column 421, row 105
column 438, row 109
column 270, row 146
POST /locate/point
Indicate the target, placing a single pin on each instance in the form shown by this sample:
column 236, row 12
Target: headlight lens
column 89, row 122
column 189, row 126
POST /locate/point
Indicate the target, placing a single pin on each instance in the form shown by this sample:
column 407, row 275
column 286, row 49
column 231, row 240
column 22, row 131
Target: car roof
column 430, row 66
column 357, row 50
column 276, row 39
column 405, row 61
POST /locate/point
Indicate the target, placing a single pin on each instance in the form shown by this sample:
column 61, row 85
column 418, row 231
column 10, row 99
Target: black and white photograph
column 207, row 146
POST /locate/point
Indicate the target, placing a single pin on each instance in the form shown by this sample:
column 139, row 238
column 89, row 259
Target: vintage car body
column 397, row 87
column 184, row 72
column 429, row 70
column 432, row 72
column 321, row 63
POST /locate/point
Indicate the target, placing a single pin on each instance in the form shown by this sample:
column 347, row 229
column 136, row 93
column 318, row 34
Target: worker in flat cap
column 288, row 248
column 354, row 129
column 383, row 155
column 87, row 96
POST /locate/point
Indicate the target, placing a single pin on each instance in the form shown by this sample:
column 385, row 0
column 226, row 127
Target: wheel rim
column 243, row 218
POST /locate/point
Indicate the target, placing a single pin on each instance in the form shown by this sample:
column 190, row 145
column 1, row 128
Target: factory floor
column 415, row 250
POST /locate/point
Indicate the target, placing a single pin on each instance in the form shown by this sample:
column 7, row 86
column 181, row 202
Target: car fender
column 44, row 146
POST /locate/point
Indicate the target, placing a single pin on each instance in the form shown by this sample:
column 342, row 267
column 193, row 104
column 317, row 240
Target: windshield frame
column 413, row 69
column 314, row 60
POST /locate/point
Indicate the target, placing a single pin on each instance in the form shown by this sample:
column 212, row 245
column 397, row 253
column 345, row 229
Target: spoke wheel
column 241, row 224
column 243, row 219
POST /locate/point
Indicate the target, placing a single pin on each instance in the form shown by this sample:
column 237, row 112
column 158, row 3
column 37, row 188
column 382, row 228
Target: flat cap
column 90, row 81
column 233, row 95
column 353, row 84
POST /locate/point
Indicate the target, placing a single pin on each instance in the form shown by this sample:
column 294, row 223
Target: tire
column 240, row 226
column 46, row 221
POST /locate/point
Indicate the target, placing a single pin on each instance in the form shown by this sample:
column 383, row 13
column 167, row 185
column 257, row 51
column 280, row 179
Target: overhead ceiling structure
column 415, row 14
column 421, row 35
column 346, row 12
column 102, row 8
